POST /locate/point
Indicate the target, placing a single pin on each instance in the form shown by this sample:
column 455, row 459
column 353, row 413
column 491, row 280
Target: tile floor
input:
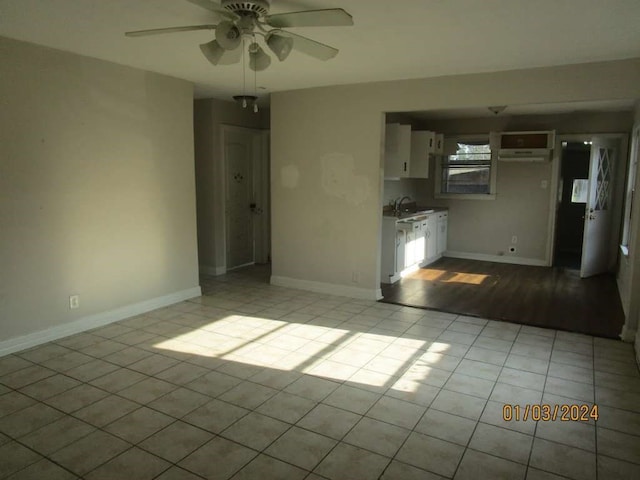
column 255, row 381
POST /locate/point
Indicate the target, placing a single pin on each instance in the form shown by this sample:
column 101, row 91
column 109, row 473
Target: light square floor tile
column 401, row 471
column 502, row 443
column 133, row 463
column 446, row 426
column 617, row 469
column 376, row 436
column 302, row 448
column 527, row 364
column 330, row 421
column 618, row 445
column 352, row 399
column 443, row 457
column 346, row 461
column 255, row 431
column 563, row 460
column 256, row 381
column 218, row 459
column 14, row 401
column 491, row 467
column 106, row 410
column 396, row 412
column 264, row 467
column 50, row 386
column 44, row 469
column 176, row 441
column 15, row 457
column 57, row 435
column 139, row 424
column 89, row 452
column 77, row 398
column 286, row 407
column 459, row 404
column 573, row 433
column 215, row 416
column 28, row 419
column 475, row 386
column 179, row 402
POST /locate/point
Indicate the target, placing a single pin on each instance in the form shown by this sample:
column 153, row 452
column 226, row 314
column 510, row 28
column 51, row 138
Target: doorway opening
column 246, row 200
column 572, row 200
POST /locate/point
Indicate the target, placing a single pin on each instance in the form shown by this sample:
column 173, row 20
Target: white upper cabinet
column 439, row 145
column 422, row 145
column 397, row 150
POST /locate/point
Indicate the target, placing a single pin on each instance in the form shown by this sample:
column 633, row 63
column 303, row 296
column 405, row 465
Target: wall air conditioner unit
column 526, row 146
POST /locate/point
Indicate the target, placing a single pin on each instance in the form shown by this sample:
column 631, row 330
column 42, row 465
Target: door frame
column 618, row 190
column 261, row 186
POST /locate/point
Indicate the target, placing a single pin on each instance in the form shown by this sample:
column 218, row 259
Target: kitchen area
column 413, row 235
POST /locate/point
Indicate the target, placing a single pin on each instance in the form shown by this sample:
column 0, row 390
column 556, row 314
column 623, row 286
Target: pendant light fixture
column 244, row 99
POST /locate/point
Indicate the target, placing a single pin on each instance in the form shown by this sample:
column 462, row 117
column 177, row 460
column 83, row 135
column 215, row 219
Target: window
column 468, row 171
column 580, row 190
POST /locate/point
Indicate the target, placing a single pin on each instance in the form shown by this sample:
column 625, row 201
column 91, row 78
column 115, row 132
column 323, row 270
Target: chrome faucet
column 399, row 204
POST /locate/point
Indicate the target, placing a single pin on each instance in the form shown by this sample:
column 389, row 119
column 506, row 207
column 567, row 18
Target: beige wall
column 209, row 116
column 97, row 193
column 327, row 187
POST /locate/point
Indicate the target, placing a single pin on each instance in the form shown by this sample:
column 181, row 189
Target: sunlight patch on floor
column 372, row 359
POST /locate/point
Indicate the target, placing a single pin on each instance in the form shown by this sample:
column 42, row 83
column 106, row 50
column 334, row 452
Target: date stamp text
column 550, row 413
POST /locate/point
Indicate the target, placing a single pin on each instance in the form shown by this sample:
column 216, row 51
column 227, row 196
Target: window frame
column 450, row 148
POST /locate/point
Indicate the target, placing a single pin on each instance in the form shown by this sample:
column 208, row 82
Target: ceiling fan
column 250, row 19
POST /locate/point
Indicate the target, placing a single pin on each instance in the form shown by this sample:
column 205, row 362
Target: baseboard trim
column 23, row 342
column 497, row 258
column 215, row 271
column 327, row 288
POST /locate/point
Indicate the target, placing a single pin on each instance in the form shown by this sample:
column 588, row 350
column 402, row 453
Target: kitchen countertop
column 413, row 212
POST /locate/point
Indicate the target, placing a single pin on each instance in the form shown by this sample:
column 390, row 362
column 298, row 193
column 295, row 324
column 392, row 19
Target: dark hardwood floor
column 541, row 296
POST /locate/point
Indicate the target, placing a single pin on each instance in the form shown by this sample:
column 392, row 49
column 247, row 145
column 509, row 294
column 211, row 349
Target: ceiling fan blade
column 215, row 8
column 330, row 17
column 156, row 31
column 311, row 47
column 231, row 56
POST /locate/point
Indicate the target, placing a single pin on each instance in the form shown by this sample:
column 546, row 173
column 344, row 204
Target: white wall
column 97, row 193
column 209, row 116
column 327, row 187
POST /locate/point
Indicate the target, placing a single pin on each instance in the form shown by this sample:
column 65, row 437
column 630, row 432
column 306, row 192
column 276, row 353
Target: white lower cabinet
column 443, row 227
column 410, row 243
column 431, row 246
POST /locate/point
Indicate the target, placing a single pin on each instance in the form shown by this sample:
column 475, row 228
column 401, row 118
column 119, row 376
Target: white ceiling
column 391, row 39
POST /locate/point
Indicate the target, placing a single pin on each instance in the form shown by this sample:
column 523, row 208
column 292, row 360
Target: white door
column 598, row 213
column 241, row 205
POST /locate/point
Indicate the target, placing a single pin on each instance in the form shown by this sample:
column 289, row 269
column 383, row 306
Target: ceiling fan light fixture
column 258, row 59
column 228, row 35
column 279, row 44
column 213, row 51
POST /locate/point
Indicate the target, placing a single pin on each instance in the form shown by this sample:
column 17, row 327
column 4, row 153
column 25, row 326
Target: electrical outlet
column 544, row 184
column 74, row 301
column 355, row 277
column 514, row 239
column 512, row 249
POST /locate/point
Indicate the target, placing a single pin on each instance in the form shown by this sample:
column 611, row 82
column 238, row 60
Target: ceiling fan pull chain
column 244, row 77
column 255, row 86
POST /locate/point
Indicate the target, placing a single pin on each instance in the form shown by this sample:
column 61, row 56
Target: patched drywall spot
column 339, row 178
column 289, row 176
